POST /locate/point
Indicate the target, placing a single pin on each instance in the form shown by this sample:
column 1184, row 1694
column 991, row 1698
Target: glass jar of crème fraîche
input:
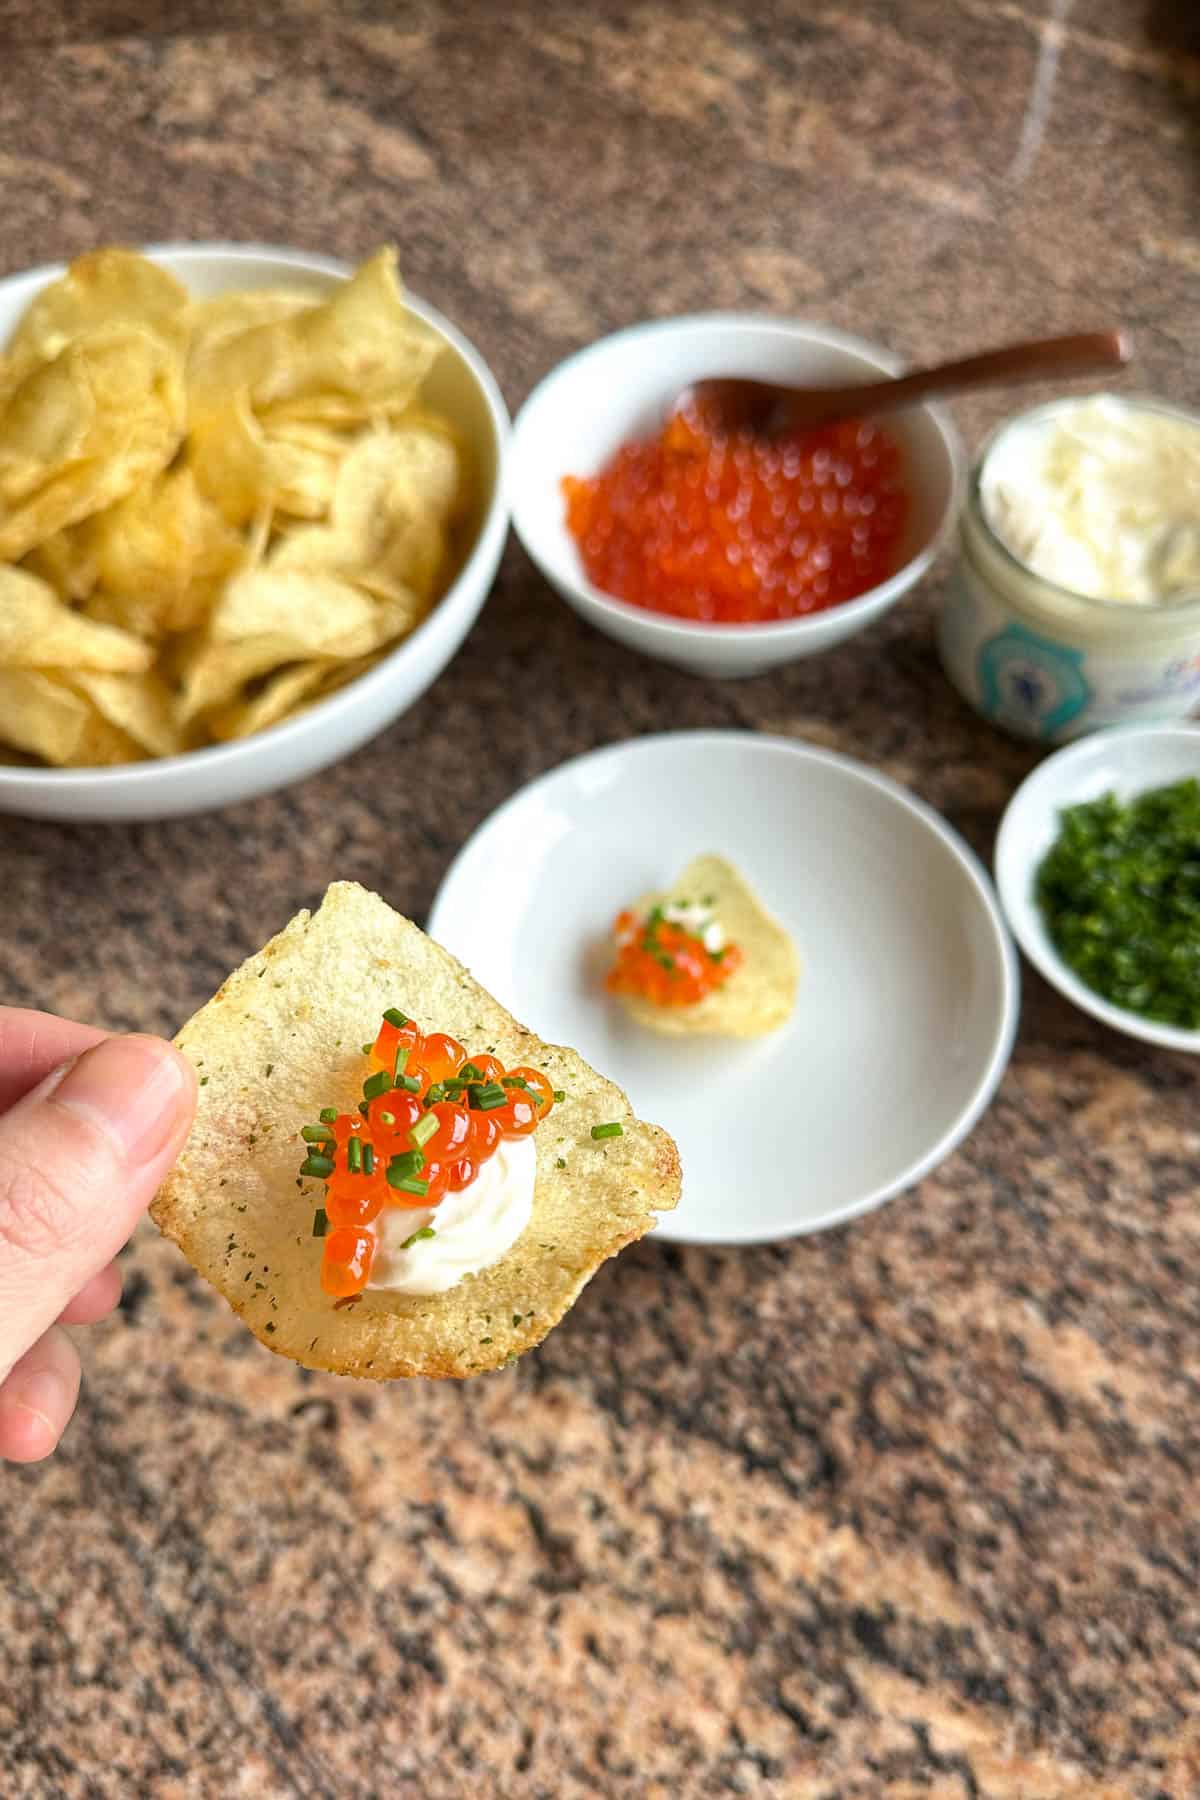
column 1076, row 603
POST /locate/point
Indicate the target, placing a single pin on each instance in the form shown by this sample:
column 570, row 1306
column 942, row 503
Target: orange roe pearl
column 538, row 1085
column 677, row 971
column 391, row 1038
column 741, row 529
column 519, row 1116
column 346, row 1261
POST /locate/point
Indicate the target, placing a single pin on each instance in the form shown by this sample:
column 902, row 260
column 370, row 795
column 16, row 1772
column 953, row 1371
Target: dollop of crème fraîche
column 430, row 1251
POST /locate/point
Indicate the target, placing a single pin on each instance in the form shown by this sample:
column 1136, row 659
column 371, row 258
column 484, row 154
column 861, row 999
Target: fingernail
column 41, row 1393
column 132, row 1088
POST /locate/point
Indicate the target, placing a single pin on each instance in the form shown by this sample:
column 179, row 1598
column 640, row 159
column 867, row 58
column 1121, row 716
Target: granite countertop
column 905, row 1509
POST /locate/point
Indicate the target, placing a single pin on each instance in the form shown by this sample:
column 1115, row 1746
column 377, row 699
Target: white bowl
column 908, row 996
column 462, row 387
column 1125, row 761
column 623, row 387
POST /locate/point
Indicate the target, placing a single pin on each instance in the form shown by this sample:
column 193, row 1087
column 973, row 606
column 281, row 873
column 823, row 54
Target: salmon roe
column 737, row 528
column 661, row 962
column 430, row 1118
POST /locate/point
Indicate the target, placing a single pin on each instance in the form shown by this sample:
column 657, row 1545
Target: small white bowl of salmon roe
column 726, row 553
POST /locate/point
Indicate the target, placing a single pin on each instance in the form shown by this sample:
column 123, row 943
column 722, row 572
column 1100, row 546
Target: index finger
column 33, row 1043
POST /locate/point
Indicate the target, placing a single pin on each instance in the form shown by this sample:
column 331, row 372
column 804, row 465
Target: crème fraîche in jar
column 1076, row 604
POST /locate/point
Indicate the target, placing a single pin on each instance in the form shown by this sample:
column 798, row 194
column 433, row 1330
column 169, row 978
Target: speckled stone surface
column 908, row 1509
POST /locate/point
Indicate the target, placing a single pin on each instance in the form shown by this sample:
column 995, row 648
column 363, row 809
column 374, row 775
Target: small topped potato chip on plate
column 428, row 1202
column 227, row 500
column 704, row 957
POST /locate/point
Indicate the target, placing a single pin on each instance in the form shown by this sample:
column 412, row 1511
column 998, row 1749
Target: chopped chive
column 423, row 1130
column 514, row 1081
column 316, row 1134
column 368, row 1159
column 327, row 1115
column 367, row 1049
column 469, row 1072
column 320, row 1224
column 354, row 1152
column 395, row 1017
column 454, row 1086
column 411, row 1186
column 435, row 1094
column 376, row 1084
column 410, row 1084
column 406, row 1164
column 317, row 1165
column 401, row 1062
column 560, row 1162
column 426, row 1231
column 560, row 1095
column 486, row 1096
column 611, row 1130
column 387, row 1118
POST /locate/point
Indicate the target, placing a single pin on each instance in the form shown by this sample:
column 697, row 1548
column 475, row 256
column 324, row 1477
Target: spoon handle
column 1082, row 353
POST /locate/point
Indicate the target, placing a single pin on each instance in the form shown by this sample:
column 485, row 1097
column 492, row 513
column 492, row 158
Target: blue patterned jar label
column 1037, row 686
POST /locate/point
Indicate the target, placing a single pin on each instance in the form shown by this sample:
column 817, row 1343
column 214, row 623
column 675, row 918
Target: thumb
column 80, row 1159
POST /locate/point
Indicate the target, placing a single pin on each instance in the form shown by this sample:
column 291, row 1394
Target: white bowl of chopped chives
column 1101, row 899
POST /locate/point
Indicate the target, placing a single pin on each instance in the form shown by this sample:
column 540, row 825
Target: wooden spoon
column 767, row 407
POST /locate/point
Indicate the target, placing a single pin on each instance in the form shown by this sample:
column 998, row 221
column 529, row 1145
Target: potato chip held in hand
column 255, row 1200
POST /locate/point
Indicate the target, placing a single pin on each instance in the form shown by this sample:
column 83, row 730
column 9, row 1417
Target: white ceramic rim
column 1014, row 883
column 979, row 880
column 86, row 783
column 669, row 630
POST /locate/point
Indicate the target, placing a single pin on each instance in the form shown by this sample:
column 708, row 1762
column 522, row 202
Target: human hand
column 89, row 1126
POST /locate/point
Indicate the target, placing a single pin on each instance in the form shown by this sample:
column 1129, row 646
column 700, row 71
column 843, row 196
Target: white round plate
column 1125, row 761
column 908, row 994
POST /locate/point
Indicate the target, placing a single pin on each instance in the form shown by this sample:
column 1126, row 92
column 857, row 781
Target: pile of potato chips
column 212, row 512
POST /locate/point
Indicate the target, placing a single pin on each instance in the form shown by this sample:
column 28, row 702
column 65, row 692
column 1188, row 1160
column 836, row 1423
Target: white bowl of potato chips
column 250, row 506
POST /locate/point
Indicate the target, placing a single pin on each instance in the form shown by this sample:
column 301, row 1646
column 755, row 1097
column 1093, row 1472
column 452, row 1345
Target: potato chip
column 44, row 716
column 267, row 618
column 395, row 491
column 83, row 431
column 45, row 426
column 362, row 344
column 211, row 676
column 65, row 560
column 38, row 632
column 9, row 379
column 222, row 316
column 272, row 1052
column 160, row 556
column 239, row 465
column 341, row 674
column 321, row 615
column 278, row 697
column 333, row 410
column 105, row 287
column 140, row 706
column 760, row 995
